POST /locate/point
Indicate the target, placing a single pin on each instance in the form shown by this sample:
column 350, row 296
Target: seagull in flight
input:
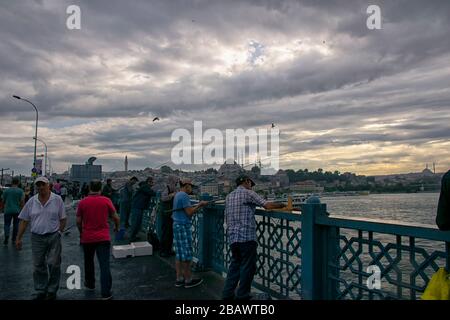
column 156, row 118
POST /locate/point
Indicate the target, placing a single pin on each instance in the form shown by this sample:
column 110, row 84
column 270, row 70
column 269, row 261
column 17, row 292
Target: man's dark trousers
column 242, row 270
column 103, row 252
column 167, row 233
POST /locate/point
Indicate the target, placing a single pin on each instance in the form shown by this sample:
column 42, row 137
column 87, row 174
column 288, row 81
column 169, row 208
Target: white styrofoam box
column 123, row 251
column 142, row 248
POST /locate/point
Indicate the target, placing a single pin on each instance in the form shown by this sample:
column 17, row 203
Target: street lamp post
column 35, row 134
column 46, row 158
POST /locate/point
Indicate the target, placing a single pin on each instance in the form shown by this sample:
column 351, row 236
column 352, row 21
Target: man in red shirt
column 92, row 222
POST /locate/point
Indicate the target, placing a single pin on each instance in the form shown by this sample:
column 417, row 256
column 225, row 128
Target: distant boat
column 294, row 201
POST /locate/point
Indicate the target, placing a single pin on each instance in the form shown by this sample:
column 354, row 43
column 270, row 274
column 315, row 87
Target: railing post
column 204, row 237
column 319, row 248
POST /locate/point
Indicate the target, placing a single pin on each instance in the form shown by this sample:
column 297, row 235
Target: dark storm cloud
column 166, row 59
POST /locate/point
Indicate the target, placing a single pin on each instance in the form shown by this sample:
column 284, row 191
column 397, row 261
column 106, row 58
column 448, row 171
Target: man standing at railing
column 139, row 203
column 443, row 210
column 167, row 223
column 182, row 234
column 126, row 194
column 240, row 206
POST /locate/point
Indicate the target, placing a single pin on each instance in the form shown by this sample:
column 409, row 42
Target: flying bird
column 156, row 118
column 273, row 125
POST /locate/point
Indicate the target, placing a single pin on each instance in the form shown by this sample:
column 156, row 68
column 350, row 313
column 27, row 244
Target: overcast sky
column 343, row 97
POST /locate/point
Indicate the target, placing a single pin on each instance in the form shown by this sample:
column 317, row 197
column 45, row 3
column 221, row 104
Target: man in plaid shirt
column 240, row 208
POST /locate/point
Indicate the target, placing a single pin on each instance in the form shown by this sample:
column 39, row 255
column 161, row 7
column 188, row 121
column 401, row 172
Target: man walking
column 240, row 208
column 139, row 203
column 182, row 234
column 92, row 222
column 13, row 199
column 167, row 223
column 443, row 210
column 126, row 194
column 46, row 214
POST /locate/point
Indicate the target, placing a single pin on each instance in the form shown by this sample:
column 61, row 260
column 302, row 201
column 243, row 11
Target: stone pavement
column 138, row 278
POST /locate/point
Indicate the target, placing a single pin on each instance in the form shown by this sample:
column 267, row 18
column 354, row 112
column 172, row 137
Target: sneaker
column 179, row 284
column 107, row 297
column 51, row 296
column 5, row 242
column 89, row 288
column 193, row 283
column 40, row 296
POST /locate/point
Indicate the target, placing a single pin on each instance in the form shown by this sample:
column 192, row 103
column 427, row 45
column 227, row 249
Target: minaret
column 126, row 163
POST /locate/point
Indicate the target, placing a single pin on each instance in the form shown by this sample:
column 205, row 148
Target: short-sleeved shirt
column 240, row 206
column 12, row 198
column 94, row 211
column 181, row 201
column 44, row 218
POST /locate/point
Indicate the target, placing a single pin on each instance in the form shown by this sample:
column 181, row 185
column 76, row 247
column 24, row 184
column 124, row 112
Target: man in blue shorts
column 182, row 234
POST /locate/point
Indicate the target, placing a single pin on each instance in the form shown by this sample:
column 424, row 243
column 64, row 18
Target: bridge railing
column 279, row 253
column 404, row 256
column 316, row 256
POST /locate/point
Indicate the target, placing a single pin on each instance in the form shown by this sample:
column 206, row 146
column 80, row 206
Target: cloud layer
column 344, row 97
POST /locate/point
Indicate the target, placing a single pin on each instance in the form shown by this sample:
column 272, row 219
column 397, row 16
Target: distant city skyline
column 344, row 97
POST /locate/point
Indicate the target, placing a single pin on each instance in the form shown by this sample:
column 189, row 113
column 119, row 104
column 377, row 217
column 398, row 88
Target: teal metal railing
column 315, row 256
column 279, row 249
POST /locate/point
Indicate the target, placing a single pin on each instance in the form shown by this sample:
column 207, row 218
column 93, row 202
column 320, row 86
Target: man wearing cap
column 182, row 234
column 240, row 208
column 46, row 214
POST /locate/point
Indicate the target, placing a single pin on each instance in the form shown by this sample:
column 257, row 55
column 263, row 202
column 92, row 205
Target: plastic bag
column 439, row 286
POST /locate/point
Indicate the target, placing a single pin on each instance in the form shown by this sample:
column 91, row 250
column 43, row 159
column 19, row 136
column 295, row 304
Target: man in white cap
column 46, row 214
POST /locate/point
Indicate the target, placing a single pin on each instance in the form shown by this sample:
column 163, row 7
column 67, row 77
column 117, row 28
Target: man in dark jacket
column 443, row 210
column 139, row 203
column 126, row 194
column 108, row 189
column 166, row 216
column 111, row 193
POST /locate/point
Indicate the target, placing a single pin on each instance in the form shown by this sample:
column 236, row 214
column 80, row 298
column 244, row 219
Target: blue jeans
column 7, row 227
column 102, row 249
column 136, row 222
column 242, row 270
